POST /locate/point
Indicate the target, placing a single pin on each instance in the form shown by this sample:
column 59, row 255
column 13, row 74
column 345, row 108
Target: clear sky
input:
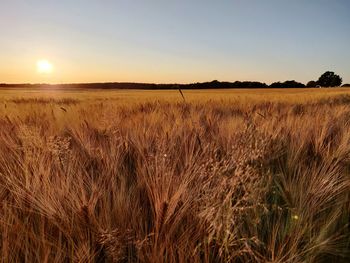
column 173, row 41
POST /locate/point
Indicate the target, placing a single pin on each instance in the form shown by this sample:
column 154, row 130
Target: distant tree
column 287, row 84
column 249, row 84
column 293, row 84
column 215, row 84
column 346, row 85
column 276, row 85
column 329, row 79
column 311, row 84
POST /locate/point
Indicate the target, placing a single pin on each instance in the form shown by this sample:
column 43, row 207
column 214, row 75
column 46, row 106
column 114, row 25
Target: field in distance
column 254, row 175
column 285, row 95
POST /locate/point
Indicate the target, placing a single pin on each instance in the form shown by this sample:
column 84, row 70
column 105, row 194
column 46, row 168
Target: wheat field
column 151, row 176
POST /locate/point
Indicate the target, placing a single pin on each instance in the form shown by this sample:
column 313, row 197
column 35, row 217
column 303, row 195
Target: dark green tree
column 287, row 84
column 311, row 84
column 329, row 79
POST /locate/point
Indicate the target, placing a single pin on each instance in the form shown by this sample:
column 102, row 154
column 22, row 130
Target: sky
column 178, row 41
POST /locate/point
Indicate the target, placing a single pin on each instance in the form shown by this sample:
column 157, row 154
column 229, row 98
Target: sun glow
column 43, row 66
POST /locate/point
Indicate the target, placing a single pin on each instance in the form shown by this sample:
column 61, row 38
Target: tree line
column 328, row 79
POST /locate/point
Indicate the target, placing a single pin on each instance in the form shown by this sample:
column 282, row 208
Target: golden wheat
column 114, row 177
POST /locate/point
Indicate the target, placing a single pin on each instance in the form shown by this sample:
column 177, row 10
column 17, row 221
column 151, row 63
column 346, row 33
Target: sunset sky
column 173, row 41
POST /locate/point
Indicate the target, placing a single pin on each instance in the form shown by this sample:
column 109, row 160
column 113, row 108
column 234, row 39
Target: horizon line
column 131, row 82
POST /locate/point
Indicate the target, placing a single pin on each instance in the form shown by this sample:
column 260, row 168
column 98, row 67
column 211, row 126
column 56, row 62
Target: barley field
column 154, row 176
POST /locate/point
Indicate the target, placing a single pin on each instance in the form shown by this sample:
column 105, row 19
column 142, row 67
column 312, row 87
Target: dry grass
column 117, row 177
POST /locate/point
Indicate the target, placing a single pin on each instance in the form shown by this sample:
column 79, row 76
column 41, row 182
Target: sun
column 43, row 66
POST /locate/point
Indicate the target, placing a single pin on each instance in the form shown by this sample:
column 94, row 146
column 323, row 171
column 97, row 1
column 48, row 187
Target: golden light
column 44, row 66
